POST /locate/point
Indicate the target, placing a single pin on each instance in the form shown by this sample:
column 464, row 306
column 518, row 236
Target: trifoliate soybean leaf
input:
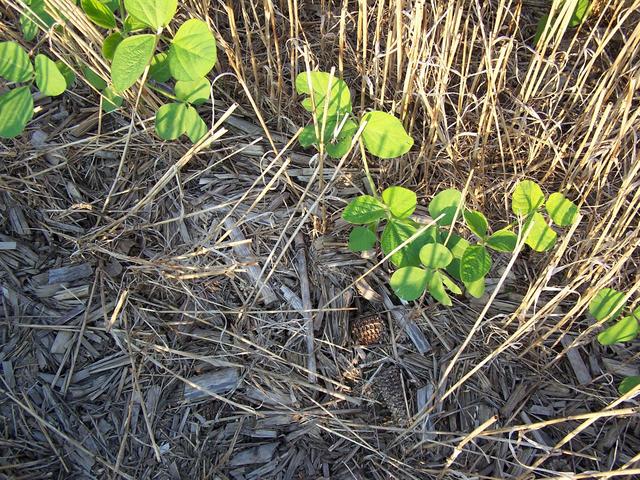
column 171, row 120
column 195, row 92
column 628, row 384
column 445, row 203
column 95, row 80
column 401, row 201
column 624, row 330
column 384, row 136
column 475, row 263
column 338, row 145
column 475, row 288
column 527, row 197
column 562, row 211
column 450, row 284
column 153, row 13
column 110, row 44
column 607, row 303
column 437, row 291
column 337, row 102
column 435, row 255
column 195, row 126
column 159, row 69
column 363, row 209
column 14, row 63
column 99, row 13
column 361, row 239
column 503, row 241
column 541, row 237
column 16, row 109
column 49, row 80
column 132, row 24
column 476, row 222
column 409, row 283
column 67, row 73
column 395, row 233
column 131, row 58
column 192, row 53
column 110, row 100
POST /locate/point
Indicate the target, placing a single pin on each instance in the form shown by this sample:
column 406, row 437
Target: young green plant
column 548, row 22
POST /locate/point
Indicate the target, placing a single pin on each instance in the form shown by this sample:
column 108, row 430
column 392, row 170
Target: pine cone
column 388, row 384
column 367, row 330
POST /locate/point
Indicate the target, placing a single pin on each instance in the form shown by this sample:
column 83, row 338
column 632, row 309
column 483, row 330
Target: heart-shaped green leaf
column 195, row 92
column 384, row 136
column 364, row 209
column 503, row 241
column 192, row 53
column 435, row 255
column 15, row 65
column 361, row 239
column 624, row 330
column 527, row 197
column 475, row 263
column 131, row 58
column 110, row 44
column 171, row 120
column 99, row 13
column 607, row 303
column 401, row 201
column 445, row 202
column 409, row 283
column 49, row 80
column 153, row 13
column 195, row 126
column 562, row 211
column 16, row 109
column 541, row 237
column 338, row 101
column 476, row 222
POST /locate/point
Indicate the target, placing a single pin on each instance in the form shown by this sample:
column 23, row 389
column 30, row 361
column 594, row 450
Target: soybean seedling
column 186, row 58
column 16, row 105
column 549, row 22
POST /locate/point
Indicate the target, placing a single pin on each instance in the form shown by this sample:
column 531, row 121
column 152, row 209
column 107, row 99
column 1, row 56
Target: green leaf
column 110, row 100
column 475, row 263
column 623, row 330
column 401, row 201
column 580, row 13
column 14, row 63
column 541, row 237
column 131, row 58
column 195, row 126
column 132, row 24
column 95, row 80
column 527, row 197
column 628, row 384
column 445, row 202
column 437, row 291
column 384, row 136
column 112, row 5
column 33, row 18
column 503, row 241
column 475, row 288
column 338, row 147
column 192, row 53
column 363, row 209
column 195, row 92
column 49, row 80
column 607, row 303
column 393, row 235
column 171, row 120
column 562, row 211
column 28, row 27
column 339, row 101
column 476, row 222
column 99, row 13
column 542, row 26
column 435, row 255
column 361, row 239
column 159, row 69
column 110, row 44
column 450, row 284
column 67, row 73
column 409, row 283
column 457, row 246
column 308, row 136
column 16, row 109
column 153, row 13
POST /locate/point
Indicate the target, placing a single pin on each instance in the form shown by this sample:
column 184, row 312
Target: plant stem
column 366, row 170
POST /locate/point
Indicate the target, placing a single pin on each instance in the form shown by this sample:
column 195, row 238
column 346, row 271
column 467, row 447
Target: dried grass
column 154, row 322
